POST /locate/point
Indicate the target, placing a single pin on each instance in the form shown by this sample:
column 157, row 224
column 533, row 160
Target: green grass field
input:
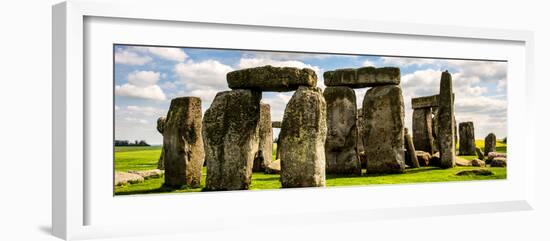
column 145, row 158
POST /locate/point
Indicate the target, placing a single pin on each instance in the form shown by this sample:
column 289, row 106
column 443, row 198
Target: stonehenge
column 265, row 146
column 490, row 144
column 363, row 77
column 411, row 158
column 341, row 143
column 231, row 139
column 467, row 144
column 302, row 139
column 183, row 144
column 446, row 133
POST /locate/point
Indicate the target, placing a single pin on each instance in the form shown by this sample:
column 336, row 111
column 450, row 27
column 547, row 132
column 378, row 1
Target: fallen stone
column 302, row 139
column 182, row 143
column 148, row 174
column 269, row 78
column 383, row 114
column 490, row 144
column 363, row 77
column 341, row 141
column 446, row 132
column 478, row 163
column 124, row 178
column 461, row 162
column 265, row 146
column 480, row 155
column 498, row 162
column 493, row 155
column 274, row 167
column 467, row 145
column 423, row 158
column 475, row 172
column 231, row 129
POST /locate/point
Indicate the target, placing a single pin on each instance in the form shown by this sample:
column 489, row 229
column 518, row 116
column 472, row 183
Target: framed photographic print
column 188, row 120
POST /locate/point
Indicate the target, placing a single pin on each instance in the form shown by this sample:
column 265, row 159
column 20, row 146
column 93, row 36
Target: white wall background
column 25, row 121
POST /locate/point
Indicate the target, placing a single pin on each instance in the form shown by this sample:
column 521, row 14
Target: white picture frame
column 74, row 197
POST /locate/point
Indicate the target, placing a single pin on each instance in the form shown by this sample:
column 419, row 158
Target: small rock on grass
column 123, row 178
column 475, row 172
column 148, row 174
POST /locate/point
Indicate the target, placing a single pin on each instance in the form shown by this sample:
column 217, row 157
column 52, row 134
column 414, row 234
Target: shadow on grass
column 161, row 189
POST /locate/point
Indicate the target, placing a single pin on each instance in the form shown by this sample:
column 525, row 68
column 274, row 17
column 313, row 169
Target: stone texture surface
column 423, row 158
column 160, row 129
column 341, row 142
column 478, row 163
column 459, row 161
column 490, row 144
column 479, row 154
column 467, row 146
column 425, row 102
column 492, row 155
column 422, row 130
column 269, row 78
column 446, row 130
column 383, row 114
column 124, row 178
column 302, row 139
column 148, row 174
column 411, row 151
column 360, row 131
column 265, row 147
column 231, row 138
column 182, row 143
column 498, row 162
column 274, row 167
column 363, row 77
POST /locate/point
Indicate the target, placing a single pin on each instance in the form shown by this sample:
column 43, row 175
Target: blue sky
column 147, row 78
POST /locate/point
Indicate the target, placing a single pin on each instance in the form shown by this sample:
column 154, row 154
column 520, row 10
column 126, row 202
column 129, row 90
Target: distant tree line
column 128, row 143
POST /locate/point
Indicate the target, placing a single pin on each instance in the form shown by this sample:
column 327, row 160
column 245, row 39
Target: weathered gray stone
column 383, row 114
column 411, row 151
column 498, row 162
column 182, row 143
column 422, row 130
column 435, row 129
column 269, row 78
column 475, row 172
column 302, row 139
column 231, row 138
column 124, row 178
column 490, row 144
column 363, row 77
column 461, row 162
column 446, row 130
column 425, row 102
column 341, row 142
column 479, row 154
column 467, row 145
column 265, row 147
column 423, row 158
column 276, row 124
column 492, row 155
column 160, row 129
column 148, row 174
column 360, row 132
column 274, row 167
column 478, row 163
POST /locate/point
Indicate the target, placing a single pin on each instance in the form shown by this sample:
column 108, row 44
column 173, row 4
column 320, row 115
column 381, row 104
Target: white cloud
column 404, row 62
column 143, row 78
column 153, row 92
column 205, row 74
column 369, row 63
column 130, row 58
column 168, row 53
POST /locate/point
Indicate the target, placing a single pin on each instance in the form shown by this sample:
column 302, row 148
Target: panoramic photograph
column 190, row 119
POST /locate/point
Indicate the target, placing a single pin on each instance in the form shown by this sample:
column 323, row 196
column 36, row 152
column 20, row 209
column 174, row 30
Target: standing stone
column 490, row 144
column 183, row 145
column 302, row 139
column 360, row 133
column 383, row 114
column 340, row 146
column 435, row 129
column 422, row 130
column 160, row 129
column 265, row 148
column 467, row 145
column 479, row 154
column 446, row 130
column 411, row 152
column 231, row 129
